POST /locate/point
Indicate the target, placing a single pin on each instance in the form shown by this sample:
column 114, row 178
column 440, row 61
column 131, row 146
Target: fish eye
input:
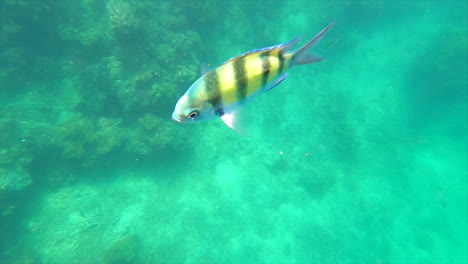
column 193, row 114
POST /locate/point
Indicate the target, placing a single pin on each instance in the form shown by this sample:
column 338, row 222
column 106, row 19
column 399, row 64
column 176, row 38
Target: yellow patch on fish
column 227, row 83
column 253, row 68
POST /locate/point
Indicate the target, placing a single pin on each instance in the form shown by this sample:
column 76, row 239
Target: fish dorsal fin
column 206, row 68
column 251, row 52
column 203, row 69
column 286, row 47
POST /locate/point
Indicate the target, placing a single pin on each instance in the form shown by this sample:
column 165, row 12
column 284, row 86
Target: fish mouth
column 176, row 119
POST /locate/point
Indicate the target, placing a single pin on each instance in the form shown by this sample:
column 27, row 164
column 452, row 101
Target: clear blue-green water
column 361, row 158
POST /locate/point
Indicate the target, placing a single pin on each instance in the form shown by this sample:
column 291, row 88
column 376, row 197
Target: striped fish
column 223, row 91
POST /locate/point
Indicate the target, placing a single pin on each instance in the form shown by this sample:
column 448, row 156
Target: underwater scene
column 361, row 157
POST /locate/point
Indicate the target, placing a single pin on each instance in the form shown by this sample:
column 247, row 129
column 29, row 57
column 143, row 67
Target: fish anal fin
column 277, row 82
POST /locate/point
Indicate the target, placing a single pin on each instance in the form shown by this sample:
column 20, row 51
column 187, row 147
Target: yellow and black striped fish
column 221, row 92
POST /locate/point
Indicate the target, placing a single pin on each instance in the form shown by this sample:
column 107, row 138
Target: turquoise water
column 361, row 158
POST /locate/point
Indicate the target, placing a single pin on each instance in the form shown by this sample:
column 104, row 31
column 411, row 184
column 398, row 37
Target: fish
column 222, row 92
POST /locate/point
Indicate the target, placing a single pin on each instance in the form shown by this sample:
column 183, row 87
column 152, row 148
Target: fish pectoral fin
column 277, row 82
column 233, row 120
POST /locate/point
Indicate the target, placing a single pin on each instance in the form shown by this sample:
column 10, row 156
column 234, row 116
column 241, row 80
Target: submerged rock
column 21, row 256
column 122, row 251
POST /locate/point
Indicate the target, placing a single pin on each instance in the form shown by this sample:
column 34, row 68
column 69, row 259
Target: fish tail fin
column 302, row 57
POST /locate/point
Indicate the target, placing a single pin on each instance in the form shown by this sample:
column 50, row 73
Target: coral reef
column 123, row 25
column 14, row 157
column 6, row 206
column 15, row 178
column 153, row 134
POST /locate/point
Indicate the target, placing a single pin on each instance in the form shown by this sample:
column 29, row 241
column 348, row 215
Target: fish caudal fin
column 302, row 57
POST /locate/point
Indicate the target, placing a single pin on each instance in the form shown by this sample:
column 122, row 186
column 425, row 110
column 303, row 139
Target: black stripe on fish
column 212, row 88
column 265, row 67
column 281, row 62
column 241, row 78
